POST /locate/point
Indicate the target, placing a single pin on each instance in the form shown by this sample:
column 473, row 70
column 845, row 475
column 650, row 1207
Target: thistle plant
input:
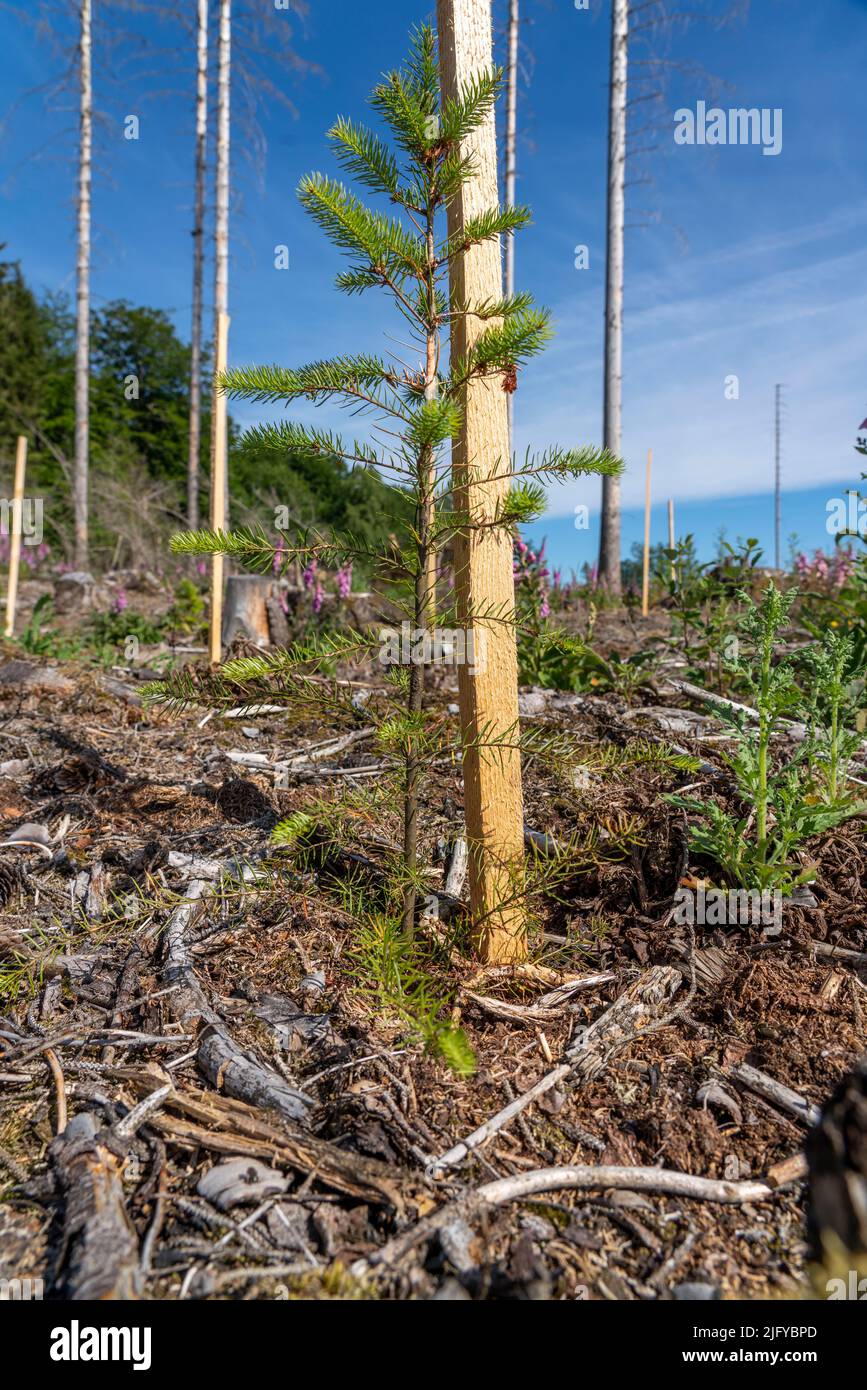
column 785, row 805
column 414, row 409
column 836, row 683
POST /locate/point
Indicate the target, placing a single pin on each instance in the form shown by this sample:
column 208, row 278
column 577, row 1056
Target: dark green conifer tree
column 415, row 409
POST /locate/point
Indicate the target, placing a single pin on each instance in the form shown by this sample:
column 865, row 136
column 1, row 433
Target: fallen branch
column 196, row 1119
column 661, row 1181
column 829, row 952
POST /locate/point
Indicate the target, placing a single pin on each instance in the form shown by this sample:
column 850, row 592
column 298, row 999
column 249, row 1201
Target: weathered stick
column 831, row 952
column 695, row 692
column 774, row 1091
column 645, row 570
column 662, row 1181
column 15, row 537
column 545, row 1009
column 218, row 488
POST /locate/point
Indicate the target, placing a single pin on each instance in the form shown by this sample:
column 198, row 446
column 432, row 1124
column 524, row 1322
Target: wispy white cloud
column 689, row 327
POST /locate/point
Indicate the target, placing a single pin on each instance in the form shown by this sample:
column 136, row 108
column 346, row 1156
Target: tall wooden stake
column 15, row 537
column 218, row 487
column 483, row 558
column 645, row 579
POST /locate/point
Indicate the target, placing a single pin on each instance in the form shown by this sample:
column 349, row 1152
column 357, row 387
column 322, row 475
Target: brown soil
column 82, row 949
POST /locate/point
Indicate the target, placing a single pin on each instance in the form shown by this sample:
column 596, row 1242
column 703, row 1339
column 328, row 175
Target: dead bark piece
column 99, row 1253
column 712, row 967
column 238, row 1182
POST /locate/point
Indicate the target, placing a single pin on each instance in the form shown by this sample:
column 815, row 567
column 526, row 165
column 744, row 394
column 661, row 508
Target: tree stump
column 73, row 592
column 245, row 609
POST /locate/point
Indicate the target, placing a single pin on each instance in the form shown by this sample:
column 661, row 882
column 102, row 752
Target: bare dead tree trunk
column 198, row 266
column 511, row 159
column 609, row 539
column 82, row 290
column 221, row 229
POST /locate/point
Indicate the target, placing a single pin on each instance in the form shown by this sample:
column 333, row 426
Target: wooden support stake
column 218, row 487
column 671, row 541
column 15, row 536
column 645, row 581
column 483, row 557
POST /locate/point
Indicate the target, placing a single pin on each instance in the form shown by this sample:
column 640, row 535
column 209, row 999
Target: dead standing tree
column 511, row 152
column 609, row 537
column 221, row 225
column 201, row 165
column 643, row 22
column 82, row 290
column 248, row 39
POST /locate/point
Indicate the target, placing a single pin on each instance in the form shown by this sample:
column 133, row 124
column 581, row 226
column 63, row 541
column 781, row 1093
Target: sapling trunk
column 416, row 694
column 425, row 584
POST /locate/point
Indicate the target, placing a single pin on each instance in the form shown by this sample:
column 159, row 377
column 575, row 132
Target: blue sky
column 747, row 265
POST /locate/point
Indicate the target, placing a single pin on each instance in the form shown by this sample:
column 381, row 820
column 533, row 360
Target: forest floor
column 287, row 1149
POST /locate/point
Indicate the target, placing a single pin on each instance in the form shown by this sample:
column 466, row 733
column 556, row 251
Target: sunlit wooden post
column 645, row 580
column 483, row 558
column 15, row 534
column 218, row 486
